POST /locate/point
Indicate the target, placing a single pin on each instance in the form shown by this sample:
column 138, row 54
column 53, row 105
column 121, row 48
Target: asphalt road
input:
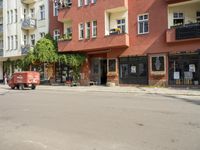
column 61, row 120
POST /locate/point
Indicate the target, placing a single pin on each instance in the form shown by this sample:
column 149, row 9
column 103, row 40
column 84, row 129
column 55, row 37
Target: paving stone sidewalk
column 117, row 89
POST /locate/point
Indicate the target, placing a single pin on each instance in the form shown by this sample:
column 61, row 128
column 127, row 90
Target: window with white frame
column 15, row 15
column 94, row 29
column 87, row 30
column 143, row 24
column 25, row 40
column 55, row 9
column 87, row 2
column 32, row 39
column 121, row 25
column 198, row 16
column 42, row 34
column 8, row 42
column 42, row 12
column 81, row 31
column 8, row 15
column 11, row 16
column 12, row 43
column 178, row 18
column 32, row 12
column 56, row 34
column 80, row 3
column 16, row 42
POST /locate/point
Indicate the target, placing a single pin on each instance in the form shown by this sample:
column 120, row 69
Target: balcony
column 25, row 49
column 183, row 33
column 1, row 4
column 1, row 52
column 107, row 42
column 29, row 24
column 28, row 1
column 1, row 29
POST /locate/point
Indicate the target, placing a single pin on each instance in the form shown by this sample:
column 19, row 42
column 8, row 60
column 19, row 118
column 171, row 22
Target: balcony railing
column 188, row 31
column 1, row 52
column 107, row 42
column 29, row 23
column 182, row 33
column 25, row 49
column 28, row 1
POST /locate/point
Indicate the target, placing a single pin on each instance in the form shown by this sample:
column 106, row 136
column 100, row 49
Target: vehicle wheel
column 13, row 87
column 21, row 86
column 33, row 87
column 18, row 87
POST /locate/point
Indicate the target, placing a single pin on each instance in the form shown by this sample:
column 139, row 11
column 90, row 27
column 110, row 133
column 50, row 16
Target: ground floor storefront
column 164, row 69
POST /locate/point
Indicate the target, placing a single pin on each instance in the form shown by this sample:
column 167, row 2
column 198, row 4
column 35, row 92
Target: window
column 32, row 39
column 8, row 42
column 87, row 2
column 8, row 19
column 12, row 43
column 55, row 9
column 16, row 42
column 42, row 34
column 94, row 29
column 69, row 33
column 143, row 24
column 87, row 30
column 25, row 14
column 81, row 31
column 42, row 12
column 15, row 15
column 93, row 1
column 111, row 65
column 178, row 18
column 11, row 13
column 123, row 70
column 32, row 12
column 56, row 34
column 80, row 3
column 198, row 16
column 121, row 24
column 68, row 3
column 25, row 40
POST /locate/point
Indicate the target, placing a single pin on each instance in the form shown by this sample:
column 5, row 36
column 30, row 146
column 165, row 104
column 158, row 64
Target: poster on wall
column 188, row 75
column 158, row 63
column 176, row 75
column 133, row 69
column 192, row 68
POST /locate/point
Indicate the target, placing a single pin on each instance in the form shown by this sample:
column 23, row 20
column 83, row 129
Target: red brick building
column 132, row 41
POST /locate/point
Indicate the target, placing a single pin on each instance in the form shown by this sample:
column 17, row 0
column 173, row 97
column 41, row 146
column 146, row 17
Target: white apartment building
column 24, row 23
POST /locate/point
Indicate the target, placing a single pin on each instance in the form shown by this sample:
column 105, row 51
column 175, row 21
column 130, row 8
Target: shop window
column 158, row 63
column 112, row 65
column 123, row 70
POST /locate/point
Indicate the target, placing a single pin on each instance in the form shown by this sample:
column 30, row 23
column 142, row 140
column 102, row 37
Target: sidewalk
column 117, row 89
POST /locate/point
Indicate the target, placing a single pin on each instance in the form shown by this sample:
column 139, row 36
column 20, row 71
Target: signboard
column 176, row 75
column 133, row 69
column 192, row 68
column 188, row 75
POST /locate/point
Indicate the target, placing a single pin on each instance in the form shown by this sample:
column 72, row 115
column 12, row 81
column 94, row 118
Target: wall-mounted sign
column 158, row 63
column 176, row 75
column 188, row 75
column 133, row 69
column 192, row 68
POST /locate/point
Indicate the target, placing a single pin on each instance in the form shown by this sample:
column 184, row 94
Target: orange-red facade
column 159, row 41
